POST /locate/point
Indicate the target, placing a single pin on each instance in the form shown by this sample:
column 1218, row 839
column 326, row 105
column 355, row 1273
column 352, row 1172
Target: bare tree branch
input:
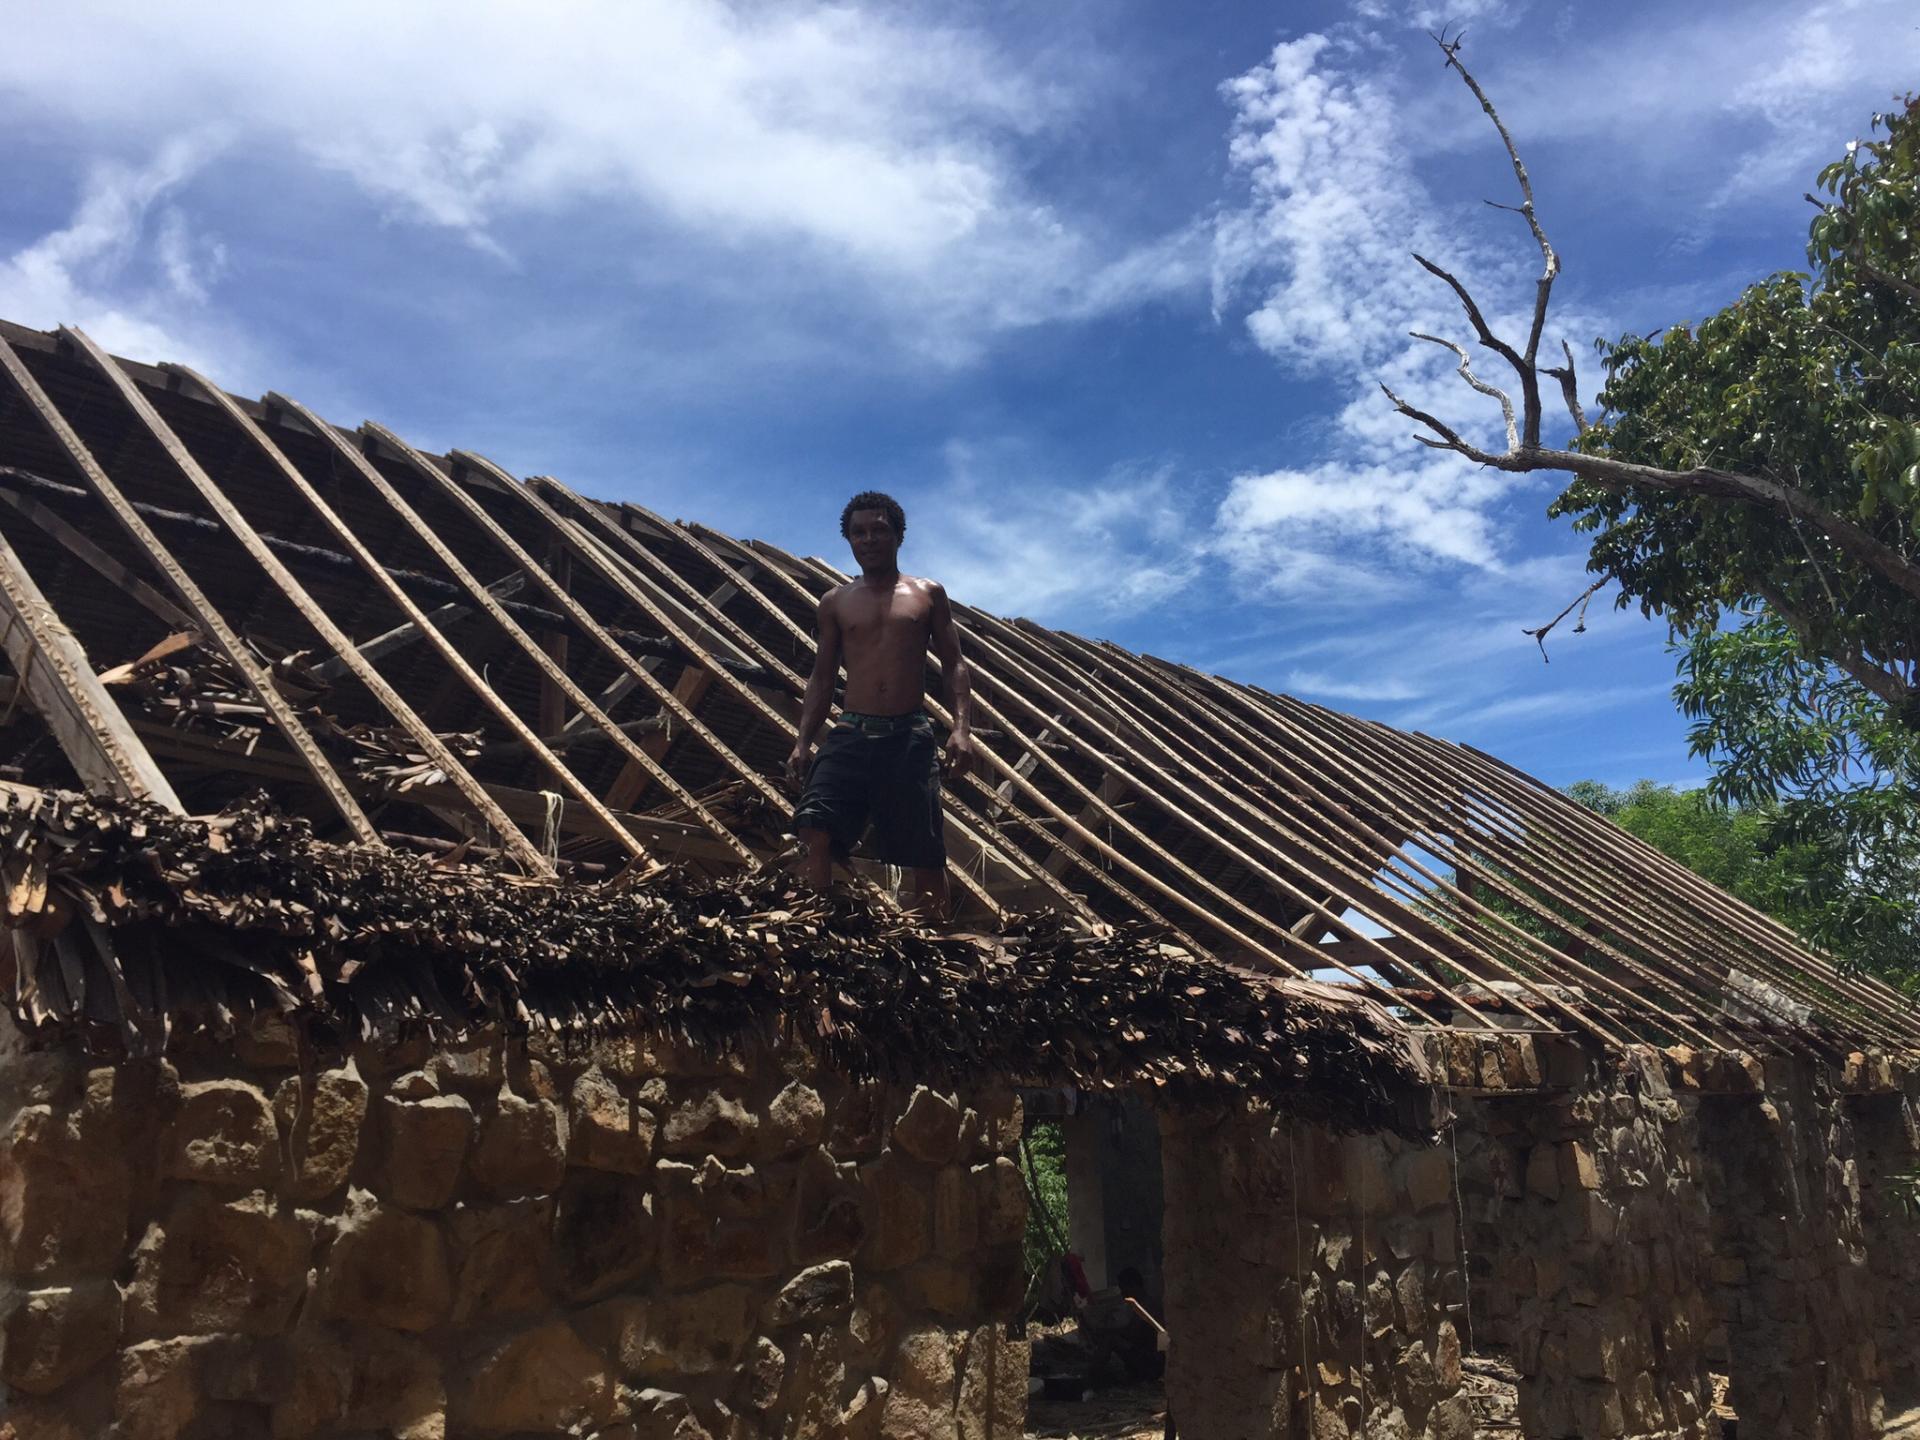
column 1569, row 388
column 1539, row 633
column 1527, row 454
column 1481, row 329
column 1550, row 262
column 1466, row 374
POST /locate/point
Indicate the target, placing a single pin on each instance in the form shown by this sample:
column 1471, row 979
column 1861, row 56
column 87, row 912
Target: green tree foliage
column 1797, row 626
column 1808, row 384
column 1755, row 480
column 1739, row 848
column 1046, row 1148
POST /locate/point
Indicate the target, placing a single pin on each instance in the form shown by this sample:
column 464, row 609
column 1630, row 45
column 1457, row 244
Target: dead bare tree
column 1525, row 452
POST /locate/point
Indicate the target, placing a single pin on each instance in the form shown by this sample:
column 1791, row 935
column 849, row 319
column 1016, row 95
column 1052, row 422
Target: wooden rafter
column 1241, row 825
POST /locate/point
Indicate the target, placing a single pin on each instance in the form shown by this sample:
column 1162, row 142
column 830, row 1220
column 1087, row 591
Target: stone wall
column 1887, row 1127
column 1591, row 1243
column 1621, row 1226
column 633, row 1242
column 1640, row 1221
column 1312, row 1283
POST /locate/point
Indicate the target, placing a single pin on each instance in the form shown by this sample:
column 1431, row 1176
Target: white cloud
column 1328, row 687
column 1320, row 254
column 126, row 267
column 1786, row 83
column 856, row 142
column 1426, row 15
column 1018, row 543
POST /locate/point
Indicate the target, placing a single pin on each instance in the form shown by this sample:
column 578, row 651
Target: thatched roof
column 202, row 595
column 133, row 924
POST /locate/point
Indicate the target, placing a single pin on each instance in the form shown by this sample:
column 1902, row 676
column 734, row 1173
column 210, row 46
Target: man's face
column 871, row 535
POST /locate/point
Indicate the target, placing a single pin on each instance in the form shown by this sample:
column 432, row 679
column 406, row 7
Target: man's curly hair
column 875, row 500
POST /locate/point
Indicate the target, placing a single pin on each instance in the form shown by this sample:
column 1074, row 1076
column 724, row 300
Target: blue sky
column 1099, row 290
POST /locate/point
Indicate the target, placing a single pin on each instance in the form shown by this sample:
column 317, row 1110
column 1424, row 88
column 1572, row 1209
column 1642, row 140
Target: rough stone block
column 828, row 1224
column 157, row 1390
column 522, row 1149
column 816, row 1379
column 939, row 1287
column 610, row 1131
column 475, row 1067
column 320, row 1116
column 603, row 1233
column 898, row 1232
column 929, row 1128
column 919, row 1404
column 426, row 1148
column 545, row 1380
column 715, row 1123
column 860, row 1122
column 1002, row 1120
column 387, row 1267
column 821, row 1295
column 500, row 1259
column 1429, row 1178
column 1002, row 1202
column 1578, row 1168
column 795, row 1121
column 47, row 1337
column 956, row 1212
column 699, row 1332
column 764, row 1375
column 64, row 1198
column 222, row 1134
column 212, row 1265
column 1543, row 1172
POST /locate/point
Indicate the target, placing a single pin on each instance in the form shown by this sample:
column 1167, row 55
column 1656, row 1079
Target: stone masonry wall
column 491, row 1241
column 1642, row 1220
column 1311, row 1283
column 1795, row 1296
column 1888, row 1130
column 1591, row 1247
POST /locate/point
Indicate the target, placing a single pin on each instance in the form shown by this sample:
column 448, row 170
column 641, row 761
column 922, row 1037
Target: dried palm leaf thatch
column 131, row 924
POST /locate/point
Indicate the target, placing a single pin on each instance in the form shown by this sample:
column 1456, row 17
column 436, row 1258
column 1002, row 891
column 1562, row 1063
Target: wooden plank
column 1113, row 789
column 61, row 685
column 527, row 808
column 542, row 661
column 624, row 544
column 207, row 619
column 477, row 595
column 553, row 703
column 102, row 564
column 307, row 607
column 408, row 633
column 631, row 783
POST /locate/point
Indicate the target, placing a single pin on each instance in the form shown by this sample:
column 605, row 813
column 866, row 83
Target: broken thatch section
column 132, row 923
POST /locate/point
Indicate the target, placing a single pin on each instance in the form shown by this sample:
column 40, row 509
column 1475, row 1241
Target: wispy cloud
column 126, row 267
column 865, row 148
column 1315, row 262
column 1019, row 543
column 1323, row 686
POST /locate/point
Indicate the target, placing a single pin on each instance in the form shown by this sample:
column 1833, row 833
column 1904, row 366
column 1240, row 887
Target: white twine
column 550, row 829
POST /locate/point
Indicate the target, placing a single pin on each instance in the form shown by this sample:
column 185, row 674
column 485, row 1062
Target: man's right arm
column 819, row 697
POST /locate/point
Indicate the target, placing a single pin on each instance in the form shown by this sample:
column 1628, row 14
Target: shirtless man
column 880, row 760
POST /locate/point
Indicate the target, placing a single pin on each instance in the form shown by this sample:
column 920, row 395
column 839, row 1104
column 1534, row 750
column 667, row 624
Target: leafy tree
column 1046, row 1150
column 1755, row 480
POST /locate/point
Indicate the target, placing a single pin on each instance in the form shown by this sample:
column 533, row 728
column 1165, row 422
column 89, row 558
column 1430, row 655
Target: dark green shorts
column 883, row 769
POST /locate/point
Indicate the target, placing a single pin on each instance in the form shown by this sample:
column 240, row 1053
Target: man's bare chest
column 885, row 620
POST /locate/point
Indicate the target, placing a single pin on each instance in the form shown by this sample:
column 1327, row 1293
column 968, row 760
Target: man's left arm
column 946, row 646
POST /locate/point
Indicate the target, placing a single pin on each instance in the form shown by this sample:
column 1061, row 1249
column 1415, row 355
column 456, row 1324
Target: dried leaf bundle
column 132, row 922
